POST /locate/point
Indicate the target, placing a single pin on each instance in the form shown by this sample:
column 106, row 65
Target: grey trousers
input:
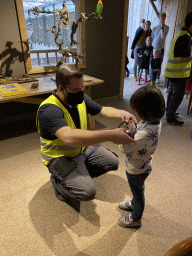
column 175, row 96
column 73, row 179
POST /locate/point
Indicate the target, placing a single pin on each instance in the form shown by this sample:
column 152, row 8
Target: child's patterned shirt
column 138, row 155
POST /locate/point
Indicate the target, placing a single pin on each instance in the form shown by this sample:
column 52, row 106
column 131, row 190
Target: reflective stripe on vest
column 56, row 147
column 176, row 67
column 51, row 149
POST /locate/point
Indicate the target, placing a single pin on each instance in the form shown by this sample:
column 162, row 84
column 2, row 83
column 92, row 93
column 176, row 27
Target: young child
column 149, row 104
column 145, row 52
column 155, row 65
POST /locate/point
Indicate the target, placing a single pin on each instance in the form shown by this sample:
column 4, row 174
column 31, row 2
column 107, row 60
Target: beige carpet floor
column 34, row 223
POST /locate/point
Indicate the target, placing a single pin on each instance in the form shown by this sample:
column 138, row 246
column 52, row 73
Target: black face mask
column 74, row 99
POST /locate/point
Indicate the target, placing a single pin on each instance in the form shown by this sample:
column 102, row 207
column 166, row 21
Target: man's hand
column 120, row 136
column 162, row 22
column 126, row 117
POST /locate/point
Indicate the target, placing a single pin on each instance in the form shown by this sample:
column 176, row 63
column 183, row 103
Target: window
column 38, row 37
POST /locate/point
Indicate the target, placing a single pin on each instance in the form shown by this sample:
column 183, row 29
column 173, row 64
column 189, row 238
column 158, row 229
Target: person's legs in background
column 166, row 85
column 153, row 76
column 174, row 99
column 126, row 68
column 138, row 69
column 136, row 62
column 159, row 72
column 146, row 73
column 139, row 77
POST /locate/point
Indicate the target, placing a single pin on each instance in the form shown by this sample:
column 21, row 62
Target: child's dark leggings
column 146, row 72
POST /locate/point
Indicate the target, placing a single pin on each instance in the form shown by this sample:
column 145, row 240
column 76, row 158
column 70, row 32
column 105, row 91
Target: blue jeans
column 136, row 183
column 175, row 95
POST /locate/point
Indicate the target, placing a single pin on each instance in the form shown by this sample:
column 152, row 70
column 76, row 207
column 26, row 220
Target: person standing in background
column 127, row 60
column 178, row 69
column 146, row 53
column 155, row 62
column 139, row 40
column 159, row 34
column 142, row 23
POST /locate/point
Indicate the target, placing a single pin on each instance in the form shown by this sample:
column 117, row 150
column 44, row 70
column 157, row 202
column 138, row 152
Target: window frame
column 25, row 44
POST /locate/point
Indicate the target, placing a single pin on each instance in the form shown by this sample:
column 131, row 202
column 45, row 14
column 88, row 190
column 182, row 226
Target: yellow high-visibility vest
column 176, row 67
column 51, row 149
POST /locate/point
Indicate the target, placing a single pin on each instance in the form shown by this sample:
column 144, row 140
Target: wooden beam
column 154, row 7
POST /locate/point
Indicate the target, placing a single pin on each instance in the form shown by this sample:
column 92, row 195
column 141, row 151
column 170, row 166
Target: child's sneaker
column 126, row 206
column 127, row 222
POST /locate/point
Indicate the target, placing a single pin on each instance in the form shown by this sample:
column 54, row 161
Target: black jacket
column 146, row 53
column 138, row 34
column 155, row 63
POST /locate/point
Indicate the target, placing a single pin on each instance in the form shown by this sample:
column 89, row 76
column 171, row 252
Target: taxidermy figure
column 98, row 10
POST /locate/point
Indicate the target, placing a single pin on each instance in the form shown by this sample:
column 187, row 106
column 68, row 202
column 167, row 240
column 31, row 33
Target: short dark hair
column 148, row 101
column 188, row 20
column 162, row 14
column 64, row 74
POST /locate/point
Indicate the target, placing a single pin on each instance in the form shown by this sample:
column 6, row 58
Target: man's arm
column 83, row 138
column 110, row 112
column 188, row 58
